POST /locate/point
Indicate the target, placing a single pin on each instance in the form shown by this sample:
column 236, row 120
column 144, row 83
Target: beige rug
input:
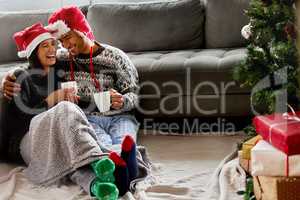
column 183, row 166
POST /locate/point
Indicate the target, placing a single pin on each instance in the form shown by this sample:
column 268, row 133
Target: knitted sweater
column 113, row 70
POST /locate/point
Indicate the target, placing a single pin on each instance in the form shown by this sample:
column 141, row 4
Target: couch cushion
column 208, row 60
column 224, row 21
column 165, row 25
column 187, row 69
column 11, row 22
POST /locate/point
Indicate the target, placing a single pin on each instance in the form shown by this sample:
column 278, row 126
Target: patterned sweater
column 113, row 69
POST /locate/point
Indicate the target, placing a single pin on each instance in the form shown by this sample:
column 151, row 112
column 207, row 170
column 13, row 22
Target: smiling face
column 47, row 52
column 75, row 42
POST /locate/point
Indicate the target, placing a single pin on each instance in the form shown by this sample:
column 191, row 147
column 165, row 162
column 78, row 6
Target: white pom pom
column 22, row 54
column 246, row 31
column 62, row 53
column 58, row 28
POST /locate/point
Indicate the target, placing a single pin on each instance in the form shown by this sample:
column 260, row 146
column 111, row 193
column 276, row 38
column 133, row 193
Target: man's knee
column 66, row 110
column 64, row 104
column 67, row 107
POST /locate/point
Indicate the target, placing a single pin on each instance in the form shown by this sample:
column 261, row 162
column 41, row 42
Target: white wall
column 18, row 5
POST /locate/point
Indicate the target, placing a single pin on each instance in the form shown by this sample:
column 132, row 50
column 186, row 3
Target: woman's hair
column 34, row 61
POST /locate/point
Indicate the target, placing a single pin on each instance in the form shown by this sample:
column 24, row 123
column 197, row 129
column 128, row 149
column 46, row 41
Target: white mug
column 70, row 84
column 102, row 100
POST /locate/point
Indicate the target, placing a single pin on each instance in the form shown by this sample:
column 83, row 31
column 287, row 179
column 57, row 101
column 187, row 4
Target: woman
column 45, row 125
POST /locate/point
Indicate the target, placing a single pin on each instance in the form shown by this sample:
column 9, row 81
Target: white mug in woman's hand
column 70, row 84
column 102, row 100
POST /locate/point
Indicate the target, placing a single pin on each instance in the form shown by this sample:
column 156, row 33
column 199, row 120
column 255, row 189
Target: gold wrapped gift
column 248, row 145
column 244, row 163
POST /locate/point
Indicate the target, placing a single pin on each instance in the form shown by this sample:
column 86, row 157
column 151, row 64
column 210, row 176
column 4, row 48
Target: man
column 95, row 67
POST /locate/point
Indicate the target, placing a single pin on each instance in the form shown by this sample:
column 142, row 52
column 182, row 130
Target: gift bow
column 293, row 117
column 289, row 117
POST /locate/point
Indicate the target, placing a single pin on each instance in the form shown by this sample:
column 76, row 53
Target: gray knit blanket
column 60, row 141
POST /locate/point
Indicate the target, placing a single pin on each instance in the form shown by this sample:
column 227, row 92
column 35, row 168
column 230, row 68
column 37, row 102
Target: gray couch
column 183, row 50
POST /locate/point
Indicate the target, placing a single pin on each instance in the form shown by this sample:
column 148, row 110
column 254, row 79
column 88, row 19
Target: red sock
column 127, row 143
column 117, row 159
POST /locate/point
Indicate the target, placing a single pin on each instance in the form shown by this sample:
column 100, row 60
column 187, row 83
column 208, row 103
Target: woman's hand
column 67, row 94
column 71, row 96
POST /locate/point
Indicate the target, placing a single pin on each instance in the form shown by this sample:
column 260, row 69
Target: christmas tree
column 272, row 46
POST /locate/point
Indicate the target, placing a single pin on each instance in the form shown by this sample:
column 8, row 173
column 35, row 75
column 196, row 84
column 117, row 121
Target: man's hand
column 117, row 100
column 9, row 87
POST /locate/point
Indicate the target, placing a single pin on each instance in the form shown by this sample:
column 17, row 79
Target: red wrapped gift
column 282, row 130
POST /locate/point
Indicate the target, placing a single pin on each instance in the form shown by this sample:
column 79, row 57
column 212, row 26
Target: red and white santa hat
column 29, row 38
column 69, row 18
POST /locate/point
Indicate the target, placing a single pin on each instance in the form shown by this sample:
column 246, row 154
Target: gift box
column 244, row 163
column 266, row 160
column 280, row 130
column 276, row 188
column 248, row 145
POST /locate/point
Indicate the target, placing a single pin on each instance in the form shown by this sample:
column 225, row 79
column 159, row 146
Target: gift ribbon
column 287, row 166
column 248, row 165
column 287, row 157
column 260, row 188
column 295, row 119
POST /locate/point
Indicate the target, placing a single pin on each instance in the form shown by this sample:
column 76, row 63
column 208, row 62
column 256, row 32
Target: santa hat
column 28, row 39
column 69, row 18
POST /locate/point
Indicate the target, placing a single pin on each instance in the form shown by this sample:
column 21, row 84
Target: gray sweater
column 17, row 113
